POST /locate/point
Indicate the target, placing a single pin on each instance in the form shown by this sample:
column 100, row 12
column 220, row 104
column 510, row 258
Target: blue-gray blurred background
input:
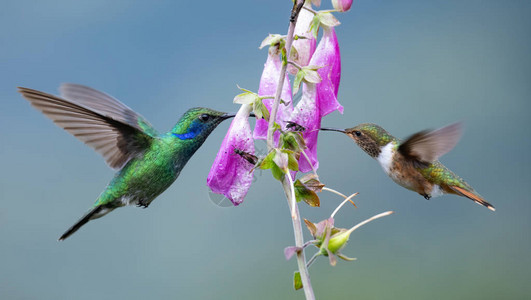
column 407, row 65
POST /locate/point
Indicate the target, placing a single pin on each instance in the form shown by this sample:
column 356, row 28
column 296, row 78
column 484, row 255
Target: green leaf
column 297, row 281
column 298, row 79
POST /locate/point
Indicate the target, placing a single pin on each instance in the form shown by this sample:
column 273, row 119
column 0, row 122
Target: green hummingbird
column 414, row 163
column 147, row 162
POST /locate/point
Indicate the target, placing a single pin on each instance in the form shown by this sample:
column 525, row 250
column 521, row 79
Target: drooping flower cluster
column 318, row 69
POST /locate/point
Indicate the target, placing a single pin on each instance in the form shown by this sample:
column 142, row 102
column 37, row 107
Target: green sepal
column 276, row 127
column 247, row 97
column 312, row 182
column 293, row 164
column 283, row 56
column 272, row 161
column 273, row 40
column 281, row 159
column 297, row 81
column 278, row 174
column 260, row 110
column 302, row 192
column 311, row 75
column 293, row 54
column 307, row 74
column 292, row 141
column 267, row 162
column 297, row 281
column 314, row 25
column 322, row 18
column 344, row 257
column 328, row 19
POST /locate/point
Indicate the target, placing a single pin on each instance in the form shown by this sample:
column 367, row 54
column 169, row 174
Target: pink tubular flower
column 231, row 175
column 306, row 113
column 328, row 57
column 268, row 87
column 305, row 45
column 320, row 99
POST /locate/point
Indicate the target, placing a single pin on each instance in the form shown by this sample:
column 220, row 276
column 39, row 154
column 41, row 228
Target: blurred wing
column 105, row 105
column 428, row 146
column 109, row 133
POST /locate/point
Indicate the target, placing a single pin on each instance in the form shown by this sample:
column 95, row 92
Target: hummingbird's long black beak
column 232, row 115
column 227, row 116
column 333, row 129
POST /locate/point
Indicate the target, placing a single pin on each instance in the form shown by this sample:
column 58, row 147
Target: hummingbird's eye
column 357, row 133
column 204, row 117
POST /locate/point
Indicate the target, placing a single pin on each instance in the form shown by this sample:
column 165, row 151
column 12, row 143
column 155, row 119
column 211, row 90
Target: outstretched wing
column 428, row 146
column 100, row 121
column 106, row 105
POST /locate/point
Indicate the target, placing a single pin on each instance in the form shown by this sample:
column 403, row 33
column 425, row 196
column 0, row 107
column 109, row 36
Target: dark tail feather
column 81, row 222
column 472, row 196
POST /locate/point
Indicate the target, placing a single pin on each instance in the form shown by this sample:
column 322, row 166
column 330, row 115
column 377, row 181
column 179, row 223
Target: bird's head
column 370, row 137
column 198, row 122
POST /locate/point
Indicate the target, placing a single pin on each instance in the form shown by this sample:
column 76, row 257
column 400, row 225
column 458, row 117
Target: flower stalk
column 287, row 183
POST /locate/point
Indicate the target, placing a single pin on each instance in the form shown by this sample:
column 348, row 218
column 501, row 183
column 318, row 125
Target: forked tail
column 472, row 196
column 87, row 217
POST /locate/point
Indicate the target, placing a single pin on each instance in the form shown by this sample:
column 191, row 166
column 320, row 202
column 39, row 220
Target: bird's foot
column 426, row 196
column 142, row 204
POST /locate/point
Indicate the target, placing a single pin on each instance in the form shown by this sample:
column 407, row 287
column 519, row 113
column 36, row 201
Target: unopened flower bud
column 338, row 241
column 342, row 5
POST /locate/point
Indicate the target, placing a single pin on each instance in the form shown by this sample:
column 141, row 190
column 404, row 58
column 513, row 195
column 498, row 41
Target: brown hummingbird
column 414, row 163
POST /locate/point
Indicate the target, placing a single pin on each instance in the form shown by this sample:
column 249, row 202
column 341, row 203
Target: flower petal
column 306, row 113
column 305, row 46
column 268, row 87
column 328, row 57
column 320, row 99
column 231, row 175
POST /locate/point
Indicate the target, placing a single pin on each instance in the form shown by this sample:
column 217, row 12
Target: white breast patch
column 386, row 157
